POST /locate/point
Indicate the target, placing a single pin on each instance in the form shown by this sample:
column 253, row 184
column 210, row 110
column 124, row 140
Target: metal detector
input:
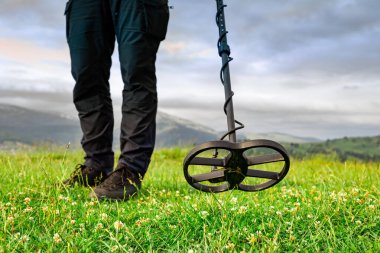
column 222, row 165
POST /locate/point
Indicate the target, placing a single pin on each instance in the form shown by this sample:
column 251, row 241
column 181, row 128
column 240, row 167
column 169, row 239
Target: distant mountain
column 347, row 148
column 19, row 126
column 27, row 126
column 281, row 137
column 173, row 131
column 23, row 125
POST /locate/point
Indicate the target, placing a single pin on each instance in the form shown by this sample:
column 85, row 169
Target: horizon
column 241, row 133
column 307, row 69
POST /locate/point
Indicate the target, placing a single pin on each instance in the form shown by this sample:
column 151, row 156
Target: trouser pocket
column 67, row 14
column 156, row 18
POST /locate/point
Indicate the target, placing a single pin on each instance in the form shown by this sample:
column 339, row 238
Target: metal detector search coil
column 218, row 166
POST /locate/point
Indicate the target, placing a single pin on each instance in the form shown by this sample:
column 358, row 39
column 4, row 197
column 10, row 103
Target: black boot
column 121, row 184
column 86, row 176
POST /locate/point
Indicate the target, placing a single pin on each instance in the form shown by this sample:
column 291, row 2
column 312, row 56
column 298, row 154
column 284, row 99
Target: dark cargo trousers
column 91, row 28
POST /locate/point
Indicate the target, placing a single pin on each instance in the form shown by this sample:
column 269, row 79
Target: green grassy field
column 321, row 206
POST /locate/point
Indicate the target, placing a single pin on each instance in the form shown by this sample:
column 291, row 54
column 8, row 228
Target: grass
column 321, row 206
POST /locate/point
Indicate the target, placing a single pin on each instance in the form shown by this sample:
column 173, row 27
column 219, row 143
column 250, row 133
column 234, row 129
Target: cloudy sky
column 302, row 67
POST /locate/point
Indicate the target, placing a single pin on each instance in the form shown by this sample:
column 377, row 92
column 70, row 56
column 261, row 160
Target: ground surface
column 321, row 206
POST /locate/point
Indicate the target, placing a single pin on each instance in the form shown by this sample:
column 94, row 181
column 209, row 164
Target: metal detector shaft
column 224, row 52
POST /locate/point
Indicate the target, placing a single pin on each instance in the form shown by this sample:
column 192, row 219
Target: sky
column 302, row 67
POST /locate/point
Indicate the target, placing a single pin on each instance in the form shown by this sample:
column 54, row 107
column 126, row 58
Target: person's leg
column 137, row 53
column 138, row 45
column 91, row 39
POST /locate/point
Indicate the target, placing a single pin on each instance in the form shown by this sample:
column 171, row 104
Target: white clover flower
column 354, row 191
column 24, row 238
column 57, row 238
column 342, row 194
column 99, row 226
column 61, row 197
column 10, row 219
column 27, row 200
column 234, row 200
column 104, row 216
column 242, row 209
column 141, row 221
column 118, row 225
column 204, row 214
column 72, row 222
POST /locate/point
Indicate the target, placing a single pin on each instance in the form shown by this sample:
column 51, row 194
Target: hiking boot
column 121, row 184
column 86, row 176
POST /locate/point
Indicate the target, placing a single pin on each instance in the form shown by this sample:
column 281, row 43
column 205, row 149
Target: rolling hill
column 282, row 138
column 353, row 148
column 20, row 126
column 23, row 125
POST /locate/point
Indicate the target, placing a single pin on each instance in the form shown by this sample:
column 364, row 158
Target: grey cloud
column 22, row 13
column 275, row 117
column 274, row 28
column 309, row 48
column 40, row 21
column 310, row 123
column 313, row 39
column 22, row 82
column 310, row 37
column 58, row 102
